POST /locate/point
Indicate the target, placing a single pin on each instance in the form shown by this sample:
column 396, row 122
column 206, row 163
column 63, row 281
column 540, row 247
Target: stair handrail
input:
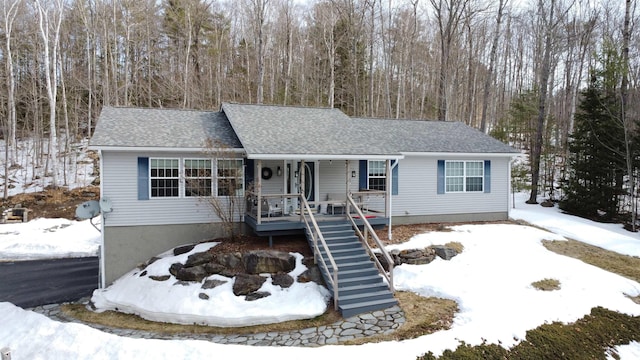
column 387, row 273
column 314, row 230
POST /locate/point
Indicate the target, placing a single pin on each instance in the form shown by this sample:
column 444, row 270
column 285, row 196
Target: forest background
column 557, row 79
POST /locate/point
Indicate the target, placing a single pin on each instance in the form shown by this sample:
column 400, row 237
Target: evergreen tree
column 596, row 163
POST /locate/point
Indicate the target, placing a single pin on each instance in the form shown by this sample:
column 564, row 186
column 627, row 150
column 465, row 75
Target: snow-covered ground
column 490, row 280
column 25, row 177
column 48, row 238
column 182, row 303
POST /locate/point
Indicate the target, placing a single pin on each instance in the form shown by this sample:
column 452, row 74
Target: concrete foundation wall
column 423, row 219
column 128, row 246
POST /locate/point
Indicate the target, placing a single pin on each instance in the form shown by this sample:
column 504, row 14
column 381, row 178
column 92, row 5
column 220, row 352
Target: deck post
column 259, row 193
column 301, row 172
column 347, row 183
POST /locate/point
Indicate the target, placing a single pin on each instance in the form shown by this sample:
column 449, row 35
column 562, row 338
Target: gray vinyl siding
column 119, row 184
column 274, row 185
column 418, row 195
column 333, row 177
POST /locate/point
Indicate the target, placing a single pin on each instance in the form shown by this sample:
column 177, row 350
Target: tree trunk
column 492, row 59
column 536, row 150
column 626, row 123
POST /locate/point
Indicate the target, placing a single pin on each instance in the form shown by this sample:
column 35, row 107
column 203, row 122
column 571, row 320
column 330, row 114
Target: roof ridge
column 124, row 107
column 407, row 120
column 283, row 106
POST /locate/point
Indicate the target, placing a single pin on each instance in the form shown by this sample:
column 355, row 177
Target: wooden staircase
column 360, row 286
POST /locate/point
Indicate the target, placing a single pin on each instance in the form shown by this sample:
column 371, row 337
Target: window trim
column 185, row 177
column 151, row 178
column 464, row 176
column 217, row 178
column 384, row 176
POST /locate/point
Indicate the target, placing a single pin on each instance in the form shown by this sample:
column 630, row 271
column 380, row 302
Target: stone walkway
column 359, row 326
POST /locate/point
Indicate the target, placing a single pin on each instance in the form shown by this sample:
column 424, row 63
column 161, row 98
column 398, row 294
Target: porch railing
column 283, row 205
column 364, row 238
column 318, row 242
column 372, row 201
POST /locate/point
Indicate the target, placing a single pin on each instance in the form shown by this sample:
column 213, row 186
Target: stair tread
column 361, row 278
column 366, row 295
column 392, row 301
column 351, row 236
column 342, row 259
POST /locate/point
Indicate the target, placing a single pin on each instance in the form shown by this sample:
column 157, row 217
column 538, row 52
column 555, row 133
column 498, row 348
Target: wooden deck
column 292, row 224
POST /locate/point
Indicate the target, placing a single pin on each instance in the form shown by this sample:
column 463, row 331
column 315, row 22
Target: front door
column 309, row 180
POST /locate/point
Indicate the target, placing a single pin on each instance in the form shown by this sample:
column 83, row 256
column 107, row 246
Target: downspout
column 102, row 263
column 390, row 190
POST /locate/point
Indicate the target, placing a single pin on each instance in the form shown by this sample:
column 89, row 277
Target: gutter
column 163, row 149
column 312, row 157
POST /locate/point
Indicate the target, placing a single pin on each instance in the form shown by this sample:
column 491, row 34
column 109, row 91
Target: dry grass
column 423, row 316
column 635, row 299
column 627, row 266
column 546, row 284
column 458, row 247
column 134, row 322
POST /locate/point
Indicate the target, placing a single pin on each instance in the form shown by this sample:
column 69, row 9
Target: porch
column 287, row 224
column 275, row 189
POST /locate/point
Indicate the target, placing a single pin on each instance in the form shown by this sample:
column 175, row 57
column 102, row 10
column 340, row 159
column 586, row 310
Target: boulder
column 183, row 249
column 245, row 284
column 416, row 256
column 192, row 273
column 311, row 274
column 210, row 284
column 175, row 268
column 265, row 261
column 160, row 277
column 446, row 253
column 257, row 295
column 203, row 296
column 282, row 280
column 199, row 258
column 229, row 260
column 213, row 268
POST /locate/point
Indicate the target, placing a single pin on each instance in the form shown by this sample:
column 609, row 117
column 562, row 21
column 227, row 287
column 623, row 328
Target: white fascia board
column 165, row 149
column 323, row 157
column 460, row 155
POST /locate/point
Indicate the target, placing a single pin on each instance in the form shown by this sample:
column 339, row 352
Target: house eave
column 164, row 149
column 461, row 154
column 312, row 157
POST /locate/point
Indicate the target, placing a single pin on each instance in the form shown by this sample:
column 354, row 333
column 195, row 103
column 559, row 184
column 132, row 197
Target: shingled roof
column 124, row 127
column 283, row 131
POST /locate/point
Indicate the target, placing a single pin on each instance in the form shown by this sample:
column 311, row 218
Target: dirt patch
column 244, row 243
column 53, row 203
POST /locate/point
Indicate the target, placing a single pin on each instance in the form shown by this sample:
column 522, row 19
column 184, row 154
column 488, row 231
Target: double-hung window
column 377, row 175
column 230, row 177
column 464, row 176
column 197, row 177
column 165, row 177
